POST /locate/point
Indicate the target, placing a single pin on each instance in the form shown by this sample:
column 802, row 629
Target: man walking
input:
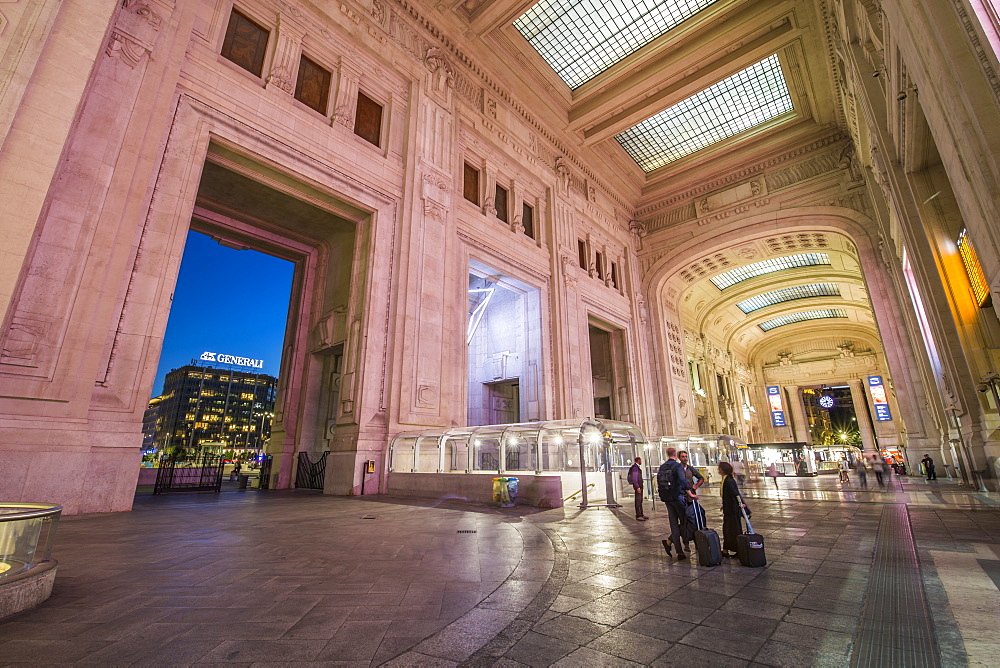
column 929, row 467
column 635, row 479
column 674, row 492
column 877, row 468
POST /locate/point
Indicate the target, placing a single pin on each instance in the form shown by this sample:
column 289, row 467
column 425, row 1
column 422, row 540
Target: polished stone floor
column 296, row 578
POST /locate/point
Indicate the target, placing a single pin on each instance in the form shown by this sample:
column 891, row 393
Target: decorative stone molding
column 134, row 33
column 981, row 53
column 281, row 78
column 435, row 191
column 568, row 270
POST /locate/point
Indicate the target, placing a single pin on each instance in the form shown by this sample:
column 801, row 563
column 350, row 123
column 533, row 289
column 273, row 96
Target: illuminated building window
column 746, row 272
column 528, row 219
column 580, row 39
column 312, row 88
column 801, row 316
column 501, row 203
column 245, row 43
column 789, row 294
column 973, row 269
column 247, row 395
column 745, row 100
column 470, row 184
column 368, row 119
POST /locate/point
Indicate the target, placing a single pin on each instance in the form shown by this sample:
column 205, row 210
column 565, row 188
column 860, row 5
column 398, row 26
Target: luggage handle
column 744, row 511
column 697, row 516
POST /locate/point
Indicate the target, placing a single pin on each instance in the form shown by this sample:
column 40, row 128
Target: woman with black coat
column 731, row 516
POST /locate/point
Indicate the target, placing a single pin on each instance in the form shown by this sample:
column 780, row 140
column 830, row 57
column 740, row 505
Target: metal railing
column 27, row 532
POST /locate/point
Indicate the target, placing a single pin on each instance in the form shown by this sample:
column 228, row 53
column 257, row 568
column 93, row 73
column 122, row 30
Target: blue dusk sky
column 226, row 301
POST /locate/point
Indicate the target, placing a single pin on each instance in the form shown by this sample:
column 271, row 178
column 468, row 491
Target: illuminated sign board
column 875, row 386
column 777, row 410
column 221, row 358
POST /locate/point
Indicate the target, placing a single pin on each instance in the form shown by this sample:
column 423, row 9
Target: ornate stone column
column 862, row 412
column 797, row 407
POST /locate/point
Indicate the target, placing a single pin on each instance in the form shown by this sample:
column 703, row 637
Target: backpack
column 667, row 483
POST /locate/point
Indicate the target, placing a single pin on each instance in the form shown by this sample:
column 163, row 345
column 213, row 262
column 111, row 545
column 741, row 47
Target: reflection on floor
column 286, row 577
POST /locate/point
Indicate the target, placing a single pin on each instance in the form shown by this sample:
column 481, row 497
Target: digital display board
column 875, row 386
column 777, row 410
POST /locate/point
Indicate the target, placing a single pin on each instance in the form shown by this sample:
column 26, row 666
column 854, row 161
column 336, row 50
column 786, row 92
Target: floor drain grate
column 466, row 531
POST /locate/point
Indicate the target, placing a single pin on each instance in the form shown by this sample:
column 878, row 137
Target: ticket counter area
column 571, row 462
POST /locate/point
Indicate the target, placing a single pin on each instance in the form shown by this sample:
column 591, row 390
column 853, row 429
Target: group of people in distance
column 879, row 466
column 678, row 483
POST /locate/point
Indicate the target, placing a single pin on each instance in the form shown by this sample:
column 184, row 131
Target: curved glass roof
column 788, row 294
column 580, row 39
column 748, row 271
column 745, row 100
column 802, row 316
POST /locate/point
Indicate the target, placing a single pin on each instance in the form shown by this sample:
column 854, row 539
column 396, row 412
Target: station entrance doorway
column 247, row 207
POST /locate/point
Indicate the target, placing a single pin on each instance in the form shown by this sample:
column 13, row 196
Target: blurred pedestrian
column 635, row 479
column 877, row 468
column 862, row 471
column 845, row 468
column 772, row 473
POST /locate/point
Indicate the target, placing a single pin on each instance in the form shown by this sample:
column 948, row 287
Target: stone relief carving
column 568, row 270
column 426, row 396
column 378, row 11
column 134, row 33
column 282, row 78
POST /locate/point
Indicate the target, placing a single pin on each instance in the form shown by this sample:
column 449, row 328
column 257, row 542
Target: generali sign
column 231, row 359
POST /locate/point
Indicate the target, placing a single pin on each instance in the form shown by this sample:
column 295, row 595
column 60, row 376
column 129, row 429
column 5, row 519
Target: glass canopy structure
column 788, row 294
column 745, row 100
column 580, row 39
column 764, row 267
column 593, row 455
column 801, row 316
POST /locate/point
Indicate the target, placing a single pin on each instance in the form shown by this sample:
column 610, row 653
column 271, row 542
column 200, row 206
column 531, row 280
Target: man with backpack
column 676, row 493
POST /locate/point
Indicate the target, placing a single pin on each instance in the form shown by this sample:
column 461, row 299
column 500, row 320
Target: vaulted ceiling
column 679, row 84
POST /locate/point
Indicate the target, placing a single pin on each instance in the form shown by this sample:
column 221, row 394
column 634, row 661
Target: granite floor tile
column 535, row 649
column 572, row 629
column 629, row 645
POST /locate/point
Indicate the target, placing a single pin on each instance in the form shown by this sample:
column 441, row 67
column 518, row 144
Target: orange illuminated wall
column 973, row 269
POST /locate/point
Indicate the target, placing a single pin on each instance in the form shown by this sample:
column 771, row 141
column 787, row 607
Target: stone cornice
column 702, row 189
column 413, row 12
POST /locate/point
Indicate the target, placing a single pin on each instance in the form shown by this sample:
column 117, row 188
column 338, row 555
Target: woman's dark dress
column 731, row 516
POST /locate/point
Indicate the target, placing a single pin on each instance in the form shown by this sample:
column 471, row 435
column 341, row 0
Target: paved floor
column 294, row 578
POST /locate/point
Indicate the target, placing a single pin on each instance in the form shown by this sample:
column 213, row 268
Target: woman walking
column 731, row 515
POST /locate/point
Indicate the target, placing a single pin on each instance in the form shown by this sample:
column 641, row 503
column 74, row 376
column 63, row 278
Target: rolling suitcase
column 706, row 541
column 750, row 545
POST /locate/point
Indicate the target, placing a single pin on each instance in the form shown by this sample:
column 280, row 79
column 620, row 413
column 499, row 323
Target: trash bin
column 244, row 479
column 501, row 492
column 512, row 490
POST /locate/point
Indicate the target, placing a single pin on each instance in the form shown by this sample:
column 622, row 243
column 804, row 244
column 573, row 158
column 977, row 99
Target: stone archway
column 716, row 249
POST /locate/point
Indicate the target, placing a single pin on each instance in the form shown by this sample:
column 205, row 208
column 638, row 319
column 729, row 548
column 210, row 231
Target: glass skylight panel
column 802, row 316
column 746, row 99
column 580, row 39
column 789, row 294
column 746, row 272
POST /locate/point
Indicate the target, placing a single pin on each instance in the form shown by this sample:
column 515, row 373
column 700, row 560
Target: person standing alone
column 929, row 467
column 635, row 479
